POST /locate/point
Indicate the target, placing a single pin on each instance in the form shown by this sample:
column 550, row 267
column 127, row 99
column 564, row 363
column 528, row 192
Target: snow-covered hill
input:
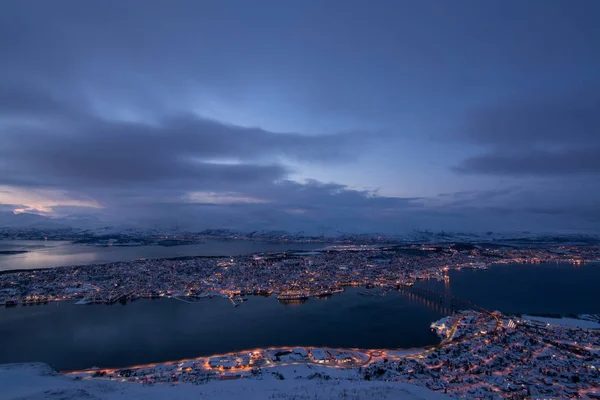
column 25, row 224
column 36, row 381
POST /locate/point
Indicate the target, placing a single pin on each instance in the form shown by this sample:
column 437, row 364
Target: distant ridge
column 32, row 226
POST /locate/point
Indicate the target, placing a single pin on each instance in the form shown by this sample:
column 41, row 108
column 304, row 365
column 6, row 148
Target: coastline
column 449, row 368
column 39, row 381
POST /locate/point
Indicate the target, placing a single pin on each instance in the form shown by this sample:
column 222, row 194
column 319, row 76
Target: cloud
column 59, row 157
column 311, row 206
column 221, row 198
column 25, row 100
column 9, row 208
column 79, row 149
column 317, row 207
column 548, row 137
column 198, row 115
column 43, row 201
column 535, row 163
column 566, row 119
column 184, row 171
column 473, row 197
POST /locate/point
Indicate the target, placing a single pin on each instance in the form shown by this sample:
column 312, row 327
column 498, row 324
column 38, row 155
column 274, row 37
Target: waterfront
column 48, row 254
column 69, row 336
column 198, row 339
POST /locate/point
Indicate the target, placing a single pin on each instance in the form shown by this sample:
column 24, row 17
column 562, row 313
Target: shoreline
column 449, row 367
column 436, row 368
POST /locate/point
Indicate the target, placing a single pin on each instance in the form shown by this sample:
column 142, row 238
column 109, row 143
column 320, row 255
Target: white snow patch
column 38, row 381
column 568, row 322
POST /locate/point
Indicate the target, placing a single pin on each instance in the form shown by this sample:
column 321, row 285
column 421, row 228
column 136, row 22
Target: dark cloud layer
column 144, row 112
column 181, row 170
column 535, row 163
column 76, row 149
column 561, row 119
column 553, row 137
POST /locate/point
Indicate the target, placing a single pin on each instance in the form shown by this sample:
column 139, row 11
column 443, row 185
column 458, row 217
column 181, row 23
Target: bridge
column 443, row 302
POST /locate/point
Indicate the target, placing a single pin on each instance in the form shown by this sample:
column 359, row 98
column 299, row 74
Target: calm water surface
column 552, row 288
column 47, row 254
column 69, row 336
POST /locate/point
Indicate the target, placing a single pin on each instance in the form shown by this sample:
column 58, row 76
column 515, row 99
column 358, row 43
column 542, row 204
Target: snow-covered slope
column 568, row 322
column 36, row 381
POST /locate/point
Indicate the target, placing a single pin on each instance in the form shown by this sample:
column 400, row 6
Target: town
column 291, row 276
column 484, row 355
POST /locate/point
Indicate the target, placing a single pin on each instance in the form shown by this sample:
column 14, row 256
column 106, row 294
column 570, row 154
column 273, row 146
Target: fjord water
column 47, row 254
column 69, row 336
column 547, row 288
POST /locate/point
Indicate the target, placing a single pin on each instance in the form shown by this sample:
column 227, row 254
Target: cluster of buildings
column 288, row 275
column 517, row 359
column 483, row 355
column 246, row 364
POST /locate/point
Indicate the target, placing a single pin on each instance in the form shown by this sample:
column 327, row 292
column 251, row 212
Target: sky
column 317, row 116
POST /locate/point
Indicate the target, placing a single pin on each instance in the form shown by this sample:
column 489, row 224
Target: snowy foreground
column 482, row 356
column 35, row 381
column 566, row 322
